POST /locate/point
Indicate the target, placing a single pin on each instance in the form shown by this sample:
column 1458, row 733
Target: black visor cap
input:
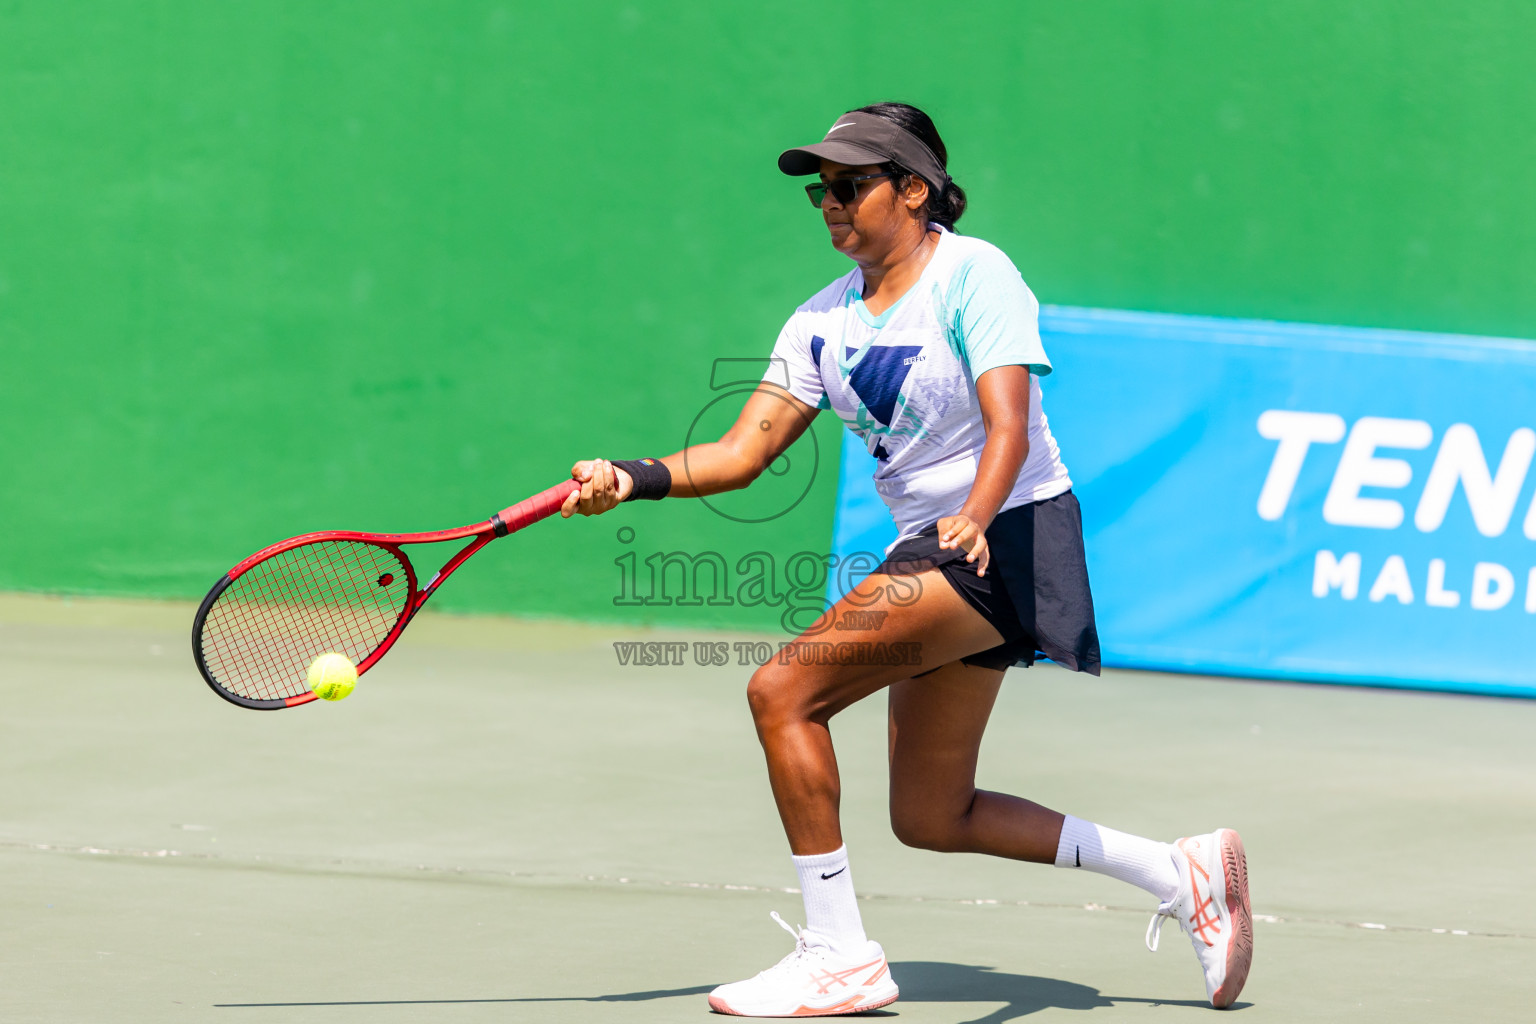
column 862, row 138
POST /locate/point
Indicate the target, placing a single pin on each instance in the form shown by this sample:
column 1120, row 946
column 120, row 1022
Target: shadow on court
column 926, row 981
column 920, row 981
column 617, row 997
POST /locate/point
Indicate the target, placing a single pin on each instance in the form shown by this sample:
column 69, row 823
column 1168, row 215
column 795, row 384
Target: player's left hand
column 602, row 487
column 963, row 532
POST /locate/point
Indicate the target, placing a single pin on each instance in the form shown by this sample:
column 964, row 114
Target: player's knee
column 926, row 825
column 782, row 694
column 924, row 831
column 769, row 695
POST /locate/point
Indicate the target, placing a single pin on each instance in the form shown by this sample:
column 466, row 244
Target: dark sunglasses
column 842, row 189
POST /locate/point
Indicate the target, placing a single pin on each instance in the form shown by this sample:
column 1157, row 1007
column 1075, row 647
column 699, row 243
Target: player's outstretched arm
column 771, row 420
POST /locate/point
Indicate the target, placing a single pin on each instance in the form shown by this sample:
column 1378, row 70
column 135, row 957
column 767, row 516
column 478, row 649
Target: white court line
column 364, row 867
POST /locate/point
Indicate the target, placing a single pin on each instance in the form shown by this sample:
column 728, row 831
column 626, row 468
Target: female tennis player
column 928, row 350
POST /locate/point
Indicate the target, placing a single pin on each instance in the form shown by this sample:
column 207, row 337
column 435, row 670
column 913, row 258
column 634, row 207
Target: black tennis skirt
column 1035, row 592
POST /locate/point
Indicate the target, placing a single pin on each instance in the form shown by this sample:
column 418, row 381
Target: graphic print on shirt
column 876, row 381
column 878, row 377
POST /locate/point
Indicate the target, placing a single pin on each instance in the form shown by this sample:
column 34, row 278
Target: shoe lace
column 798, row 933
column 1155, row 926
column 801, row 950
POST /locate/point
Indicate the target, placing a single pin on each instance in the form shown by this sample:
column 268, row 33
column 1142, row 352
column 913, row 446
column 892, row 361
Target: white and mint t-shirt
column 905, row 381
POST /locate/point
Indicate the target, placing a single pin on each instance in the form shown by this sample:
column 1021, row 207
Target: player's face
column 871, row 224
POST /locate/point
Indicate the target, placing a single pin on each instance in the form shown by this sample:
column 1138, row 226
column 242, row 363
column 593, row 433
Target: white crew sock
column 831, row 908
column 1142, row 862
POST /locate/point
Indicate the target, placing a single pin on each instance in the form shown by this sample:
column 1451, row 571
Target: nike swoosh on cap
column 845, row 124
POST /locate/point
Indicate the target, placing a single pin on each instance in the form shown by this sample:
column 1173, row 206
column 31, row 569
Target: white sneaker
column 812, row 981
column 1212, row 908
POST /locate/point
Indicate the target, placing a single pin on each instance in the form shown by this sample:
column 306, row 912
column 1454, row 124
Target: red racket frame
column 509, row 520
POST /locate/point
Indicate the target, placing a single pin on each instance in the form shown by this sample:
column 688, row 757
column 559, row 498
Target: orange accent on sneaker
column 721, row 1006
column 824, row 981
column 1204, row 919
column 827, row 1011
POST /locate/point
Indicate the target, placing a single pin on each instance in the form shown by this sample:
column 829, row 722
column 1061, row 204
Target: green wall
column 273, row 267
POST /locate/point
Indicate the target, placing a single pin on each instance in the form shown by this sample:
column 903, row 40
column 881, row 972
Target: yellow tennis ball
column 332, row 676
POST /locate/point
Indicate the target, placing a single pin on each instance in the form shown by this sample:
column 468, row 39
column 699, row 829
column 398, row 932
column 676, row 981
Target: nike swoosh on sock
column 835, row 873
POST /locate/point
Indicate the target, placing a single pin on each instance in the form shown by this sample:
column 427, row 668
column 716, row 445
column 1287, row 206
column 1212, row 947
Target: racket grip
column 531, row 510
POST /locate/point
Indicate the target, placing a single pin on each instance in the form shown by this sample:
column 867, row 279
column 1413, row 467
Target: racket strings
column 263, row 631
column 257, row 639
column 314, row 601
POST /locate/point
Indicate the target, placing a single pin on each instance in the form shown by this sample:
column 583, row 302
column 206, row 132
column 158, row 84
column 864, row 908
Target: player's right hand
column 602, row 487
column 961, row 531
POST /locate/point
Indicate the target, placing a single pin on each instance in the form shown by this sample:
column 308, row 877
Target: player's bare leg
column 936, row 724
column 835, row 967
column 793, row 702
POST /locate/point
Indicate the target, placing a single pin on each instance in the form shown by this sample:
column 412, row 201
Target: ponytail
column 948, row 207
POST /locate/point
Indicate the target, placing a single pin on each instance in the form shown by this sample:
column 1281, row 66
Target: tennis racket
column 269, row 617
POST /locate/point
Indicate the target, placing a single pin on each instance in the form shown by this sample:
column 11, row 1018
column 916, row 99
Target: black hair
column 944, row 207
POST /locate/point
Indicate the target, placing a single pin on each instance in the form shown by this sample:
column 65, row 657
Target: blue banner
column 1290, row 501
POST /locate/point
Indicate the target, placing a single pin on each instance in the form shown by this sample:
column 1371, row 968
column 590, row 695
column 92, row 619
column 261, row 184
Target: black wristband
column 652, row 479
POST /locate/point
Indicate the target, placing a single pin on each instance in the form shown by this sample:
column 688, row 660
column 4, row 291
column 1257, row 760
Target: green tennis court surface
column 505, row 824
